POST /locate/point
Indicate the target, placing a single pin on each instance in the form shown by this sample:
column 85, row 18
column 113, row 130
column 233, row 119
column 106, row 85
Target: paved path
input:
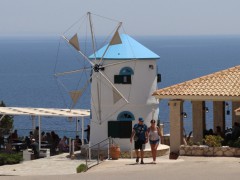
column 54, row 165
column 184, row 168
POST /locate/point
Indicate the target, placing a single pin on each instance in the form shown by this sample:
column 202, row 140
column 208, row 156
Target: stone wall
column 166, row 139
column 223, row 151
column 162, row 150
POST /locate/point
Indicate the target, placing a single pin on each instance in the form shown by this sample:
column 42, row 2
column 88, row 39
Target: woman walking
column 154, row 138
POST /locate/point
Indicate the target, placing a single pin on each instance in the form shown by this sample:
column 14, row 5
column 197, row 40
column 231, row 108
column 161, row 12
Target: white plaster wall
column 141, row 103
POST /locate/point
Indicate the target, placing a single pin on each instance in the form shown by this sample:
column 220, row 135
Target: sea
column 27, row 66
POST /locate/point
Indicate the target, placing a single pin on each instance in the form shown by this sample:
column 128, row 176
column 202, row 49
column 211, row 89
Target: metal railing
column 99, row 151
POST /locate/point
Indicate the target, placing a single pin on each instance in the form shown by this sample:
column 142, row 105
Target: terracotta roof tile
column 222, row 83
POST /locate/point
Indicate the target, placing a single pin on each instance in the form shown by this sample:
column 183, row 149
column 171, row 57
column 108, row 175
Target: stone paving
column 56, row 165
column 197, row 168
column 53, row 165
column 185, row 167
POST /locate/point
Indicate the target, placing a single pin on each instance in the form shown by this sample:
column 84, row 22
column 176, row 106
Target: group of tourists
column 229, row 135
column 141, row 134
column 63, row 145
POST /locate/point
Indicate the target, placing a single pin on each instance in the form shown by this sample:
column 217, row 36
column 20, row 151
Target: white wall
column 141, row 103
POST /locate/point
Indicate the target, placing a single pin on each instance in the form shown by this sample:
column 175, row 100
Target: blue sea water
column 27, row 68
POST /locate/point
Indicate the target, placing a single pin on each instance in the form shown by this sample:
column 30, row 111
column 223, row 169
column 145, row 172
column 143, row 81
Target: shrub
column 234, row 143
column 8, row 158
column 81, row 168
column 191, row 143
column 213, row 141
column 6, row 124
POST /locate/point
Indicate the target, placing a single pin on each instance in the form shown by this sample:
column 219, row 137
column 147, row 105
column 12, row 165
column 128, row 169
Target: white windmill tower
column 134, row 76
column 123, row 77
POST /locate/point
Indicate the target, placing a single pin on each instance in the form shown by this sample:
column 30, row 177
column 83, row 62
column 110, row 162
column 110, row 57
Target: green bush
column 233, row 143
column 81, row 168
column 9, row 158
column 213, row 141
column 6, row 124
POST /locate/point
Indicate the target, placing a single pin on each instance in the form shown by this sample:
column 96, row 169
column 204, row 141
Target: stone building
column 218, row 87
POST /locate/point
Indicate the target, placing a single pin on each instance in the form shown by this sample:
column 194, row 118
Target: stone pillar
column 218, row 115
column 199, row 120
column 235, row 105
column 176, row 125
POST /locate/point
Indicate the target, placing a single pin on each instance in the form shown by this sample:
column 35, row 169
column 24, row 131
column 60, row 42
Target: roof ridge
column 208, row 75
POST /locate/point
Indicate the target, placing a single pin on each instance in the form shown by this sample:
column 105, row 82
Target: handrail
column 109, row 142
column 99, row 142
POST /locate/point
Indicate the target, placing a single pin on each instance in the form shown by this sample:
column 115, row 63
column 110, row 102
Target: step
column 162, row 150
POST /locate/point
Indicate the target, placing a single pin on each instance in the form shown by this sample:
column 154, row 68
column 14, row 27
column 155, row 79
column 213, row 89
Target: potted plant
column 114, row 151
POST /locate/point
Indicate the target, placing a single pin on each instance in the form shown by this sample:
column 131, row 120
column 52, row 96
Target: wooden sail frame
column 75, row 44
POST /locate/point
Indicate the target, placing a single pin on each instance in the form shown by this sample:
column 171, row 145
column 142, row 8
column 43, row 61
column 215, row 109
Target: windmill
column 120, row 73
column 90, row 65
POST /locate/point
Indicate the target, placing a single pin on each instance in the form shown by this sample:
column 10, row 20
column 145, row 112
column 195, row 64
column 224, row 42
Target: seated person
column 210, row 132
column 77, row 143
column 43, row 136
column 35, row 148
column 36, row 133
column 63, row 146
column 14, row 136
column 236, row 131
column 28, row 142
column 219, row 132
column 1, row 142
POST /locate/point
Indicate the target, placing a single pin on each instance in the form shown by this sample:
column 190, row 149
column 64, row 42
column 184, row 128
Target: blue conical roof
column 128, row 49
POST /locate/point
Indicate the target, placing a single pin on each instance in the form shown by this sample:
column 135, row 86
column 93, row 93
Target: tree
column 6, row 124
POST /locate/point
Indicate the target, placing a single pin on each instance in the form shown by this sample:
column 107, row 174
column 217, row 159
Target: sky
column 139, row 17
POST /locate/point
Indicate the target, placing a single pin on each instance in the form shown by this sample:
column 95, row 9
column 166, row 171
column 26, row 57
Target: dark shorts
column 154, row 142
column 139, row 144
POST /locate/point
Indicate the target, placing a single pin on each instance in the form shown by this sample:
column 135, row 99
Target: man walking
column 140, row 134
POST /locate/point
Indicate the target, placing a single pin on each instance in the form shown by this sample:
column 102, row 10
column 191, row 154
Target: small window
column 117, row 79
column 125, row 116
column 159, row 78
column 126, row 71
column 122, row 79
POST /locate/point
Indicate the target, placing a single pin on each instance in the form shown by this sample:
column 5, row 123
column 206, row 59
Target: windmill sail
column 75, row 95
column 91, row 67
column 116, row 39
column 116, row 96
column 74, row 42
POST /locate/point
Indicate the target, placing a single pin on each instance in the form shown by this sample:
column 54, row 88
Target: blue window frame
column 126, row 71
column 124, row 77
column 125, row 116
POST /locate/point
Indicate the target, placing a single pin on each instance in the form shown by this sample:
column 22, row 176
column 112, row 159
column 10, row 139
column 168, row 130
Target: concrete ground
column 184, row 167
column 54, row 165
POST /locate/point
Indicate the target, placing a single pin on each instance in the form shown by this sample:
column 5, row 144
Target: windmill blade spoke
column 80, row 52
column 96, row 101
column 97, row 78
column 113, row 86
column 95, row 109
column 75, row 95
column 122, row 62
column 73, row 71
column 115, row 40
